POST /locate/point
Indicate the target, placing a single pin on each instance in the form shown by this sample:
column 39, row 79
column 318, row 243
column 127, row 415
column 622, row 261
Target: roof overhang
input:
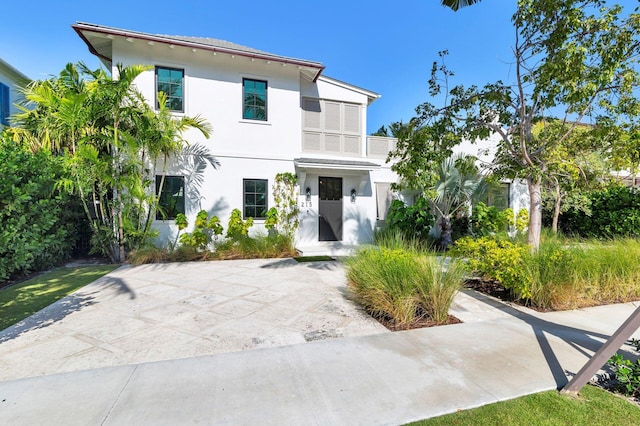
column 371, row 96
column 13, row 72
column 99, row 40
column 311, row 164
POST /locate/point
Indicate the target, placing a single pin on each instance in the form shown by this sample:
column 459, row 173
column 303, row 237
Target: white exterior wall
column 213, row 89
column 249, row 149
column 9, row 77
column 485, row 150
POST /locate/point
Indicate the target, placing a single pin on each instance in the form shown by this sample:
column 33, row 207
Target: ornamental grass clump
column 437, row 287
column 402, row 286
column 560, row 274
column 590, row 273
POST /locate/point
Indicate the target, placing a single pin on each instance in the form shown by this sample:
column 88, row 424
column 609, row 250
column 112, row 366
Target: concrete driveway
column 178, row 310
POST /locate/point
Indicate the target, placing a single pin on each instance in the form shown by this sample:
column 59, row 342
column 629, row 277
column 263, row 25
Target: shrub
column 614, row 212
column 488, row 220
column 413, row 221
column 37, row 221
column 522, row 220
column 205, row 230
column 626, row 373
column 402, row 285
column 496, row 259
column 271, row 220
column 558, row 276
column 238, row 228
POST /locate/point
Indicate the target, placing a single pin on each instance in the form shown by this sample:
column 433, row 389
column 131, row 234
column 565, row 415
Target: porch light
column 308, row 193
column 353, row 195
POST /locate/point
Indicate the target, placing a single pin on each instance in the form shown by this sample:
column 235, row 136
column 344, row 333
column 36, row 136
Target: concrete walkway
column 498, row 353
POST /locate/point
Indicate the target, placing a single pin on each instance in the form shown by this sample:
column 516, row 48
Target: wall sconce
column 353, row 195
column 308, row 193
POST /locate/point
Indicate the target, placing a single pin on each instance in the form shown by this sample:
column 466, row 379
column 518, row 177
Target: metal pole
column 603, row 354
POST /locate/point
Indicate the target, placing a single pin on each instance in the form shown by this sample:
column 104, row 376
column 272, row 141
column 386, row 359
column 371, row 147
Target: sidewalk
column 388, row 378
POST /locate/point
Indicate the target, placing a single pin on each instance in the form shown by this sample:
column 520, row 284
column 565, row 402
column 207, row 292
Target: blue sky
column 384, row 46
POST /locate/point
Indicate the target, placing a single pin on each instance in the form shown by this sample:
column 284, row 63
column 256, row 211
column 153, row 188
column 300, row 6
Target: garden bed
column 420, row 323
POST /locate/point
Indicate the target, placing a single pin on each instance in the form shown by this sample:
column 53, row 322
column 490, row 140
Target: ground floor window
column 171, row 191
column 498, row 196
column 255, row 198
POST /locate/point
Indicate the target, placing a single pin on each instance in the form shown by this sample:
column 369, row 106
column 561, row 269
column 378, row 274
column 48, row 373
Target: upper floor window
column 171, row 197
column 254, row 99
column 255, row 198
column 170, row 81
column 4, row 104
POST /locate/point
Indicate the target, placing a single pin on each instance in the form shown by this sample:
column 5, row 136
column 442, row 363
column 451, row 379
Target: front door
column 330, row 209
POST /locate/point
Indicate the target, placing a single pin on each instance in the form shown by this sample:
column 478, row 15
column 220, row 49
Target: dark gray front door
column 330, row 209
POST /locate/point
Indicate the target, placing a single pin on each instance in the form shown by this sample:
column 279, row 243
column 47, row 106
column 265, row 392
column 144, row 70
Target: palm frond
column 457, row 4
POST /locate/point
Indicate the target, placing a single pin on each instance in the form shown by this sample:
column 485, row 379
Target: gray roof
column 214, row 42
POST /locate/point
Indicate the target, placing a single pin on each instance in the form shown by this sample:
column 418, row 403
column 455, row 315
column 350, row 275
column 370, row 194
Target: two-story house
column 270, row 114
column 10, row 80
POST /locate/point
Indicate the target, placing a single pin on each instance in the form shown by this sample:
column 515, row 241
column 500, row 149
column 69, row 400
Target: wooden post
column 603, row 354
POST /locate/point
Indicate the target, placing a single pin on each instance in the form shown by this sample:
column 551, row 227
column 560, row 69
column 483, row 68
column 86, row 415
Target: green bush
column 403, row 285
column 558, row 275
column 488, row 220
column 205, row 230
column 614, row 212
column 413, row 221
column 626, row 373
column 238, row 228
column 496, row 259
column 37, row 222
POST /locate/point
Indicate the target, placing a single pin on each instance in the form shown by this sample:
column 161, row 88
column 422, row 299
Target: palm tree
column 108, row 134
column 457, row 4
column 456, row 187
column 162, row 135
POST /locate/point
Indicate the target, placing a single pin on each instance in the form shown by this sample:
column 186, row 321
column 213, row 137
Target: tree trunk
column 535, row 212
column 445, row 237
column 556, row 211
column 121, row 253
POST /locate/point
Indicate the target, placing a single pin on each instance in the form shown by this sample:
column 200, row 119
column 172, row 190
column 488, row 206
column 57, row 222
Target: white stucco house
column 512, row 193
column 10, row 80
column 270, row 114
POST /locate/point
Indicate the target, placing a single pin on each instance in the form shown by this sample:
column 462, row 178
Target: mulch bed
column 421, row 323
column 491, row 288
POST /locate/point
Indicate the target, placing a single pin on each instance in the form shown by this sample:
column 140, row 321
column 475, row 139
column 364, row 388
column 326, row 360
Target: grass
column 593, row 407
column 28, row 297
column 403, row 285
column 254, row 247
column 563, row 273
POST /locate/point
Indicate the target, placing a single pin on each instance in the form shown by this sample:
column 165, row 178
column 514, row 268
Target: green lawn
column 593, row 407
column 21, row 300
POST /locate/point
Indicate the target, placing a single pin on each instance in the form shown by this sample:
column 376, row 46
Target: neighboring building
column 270, row 114
column 10, row 79
column 510, row 193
